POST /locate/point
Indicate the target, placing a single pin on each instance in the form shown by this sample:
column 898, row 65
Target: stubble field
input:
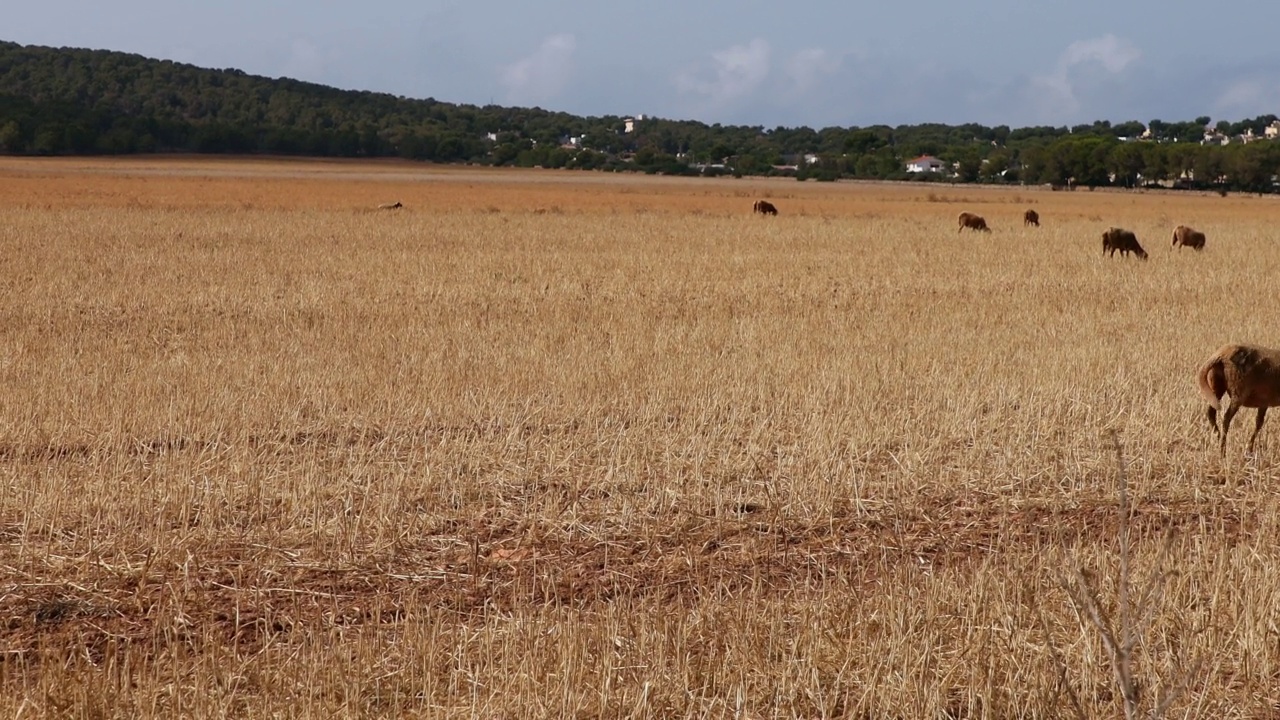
column 547, row 444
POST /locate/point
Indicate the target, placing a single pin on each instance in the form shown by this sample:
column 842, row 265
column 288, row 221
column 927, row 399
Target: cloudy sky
column 815, row 63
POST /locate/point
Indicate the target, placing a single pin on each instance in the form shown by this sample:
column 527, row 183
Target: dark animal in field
column 1123, row 240
column 973, row 222
column 1031, row 217
column 1185, row 236
column 764, row 207
column 391, row 206
column 1249, row 375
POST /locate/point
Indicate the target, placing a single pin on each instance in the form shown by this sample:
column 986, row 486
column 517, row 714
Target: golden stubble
column 550, row 444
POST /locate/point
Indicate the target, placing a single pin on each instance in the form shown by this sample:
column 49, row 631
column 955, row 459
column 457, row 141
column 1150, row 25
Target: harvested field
column 549, row 444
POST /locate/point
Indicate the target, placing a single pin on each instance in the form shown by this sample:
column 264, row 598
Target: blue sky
column 815, row 63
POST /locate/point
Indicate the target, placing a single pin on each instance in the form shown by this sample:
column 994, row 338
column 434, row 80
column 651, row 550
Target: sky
column 816, row 63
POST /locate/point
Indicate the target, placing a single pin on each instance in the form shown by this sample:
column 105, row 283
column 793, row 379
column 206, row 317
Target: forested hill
column 62, row 100
column 73, row 101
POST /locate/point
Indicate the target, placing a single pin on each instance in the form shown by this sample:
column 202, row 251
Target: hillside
column 75, row 101
column 95, row 101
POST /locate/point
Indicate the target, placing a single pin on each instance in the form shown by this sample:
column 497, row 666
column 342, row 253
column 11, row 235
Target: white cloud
column 1057, row 94
column 807, row 68
column 1113, row 53
column 735, row 72
column 542, row 75
column 1248, row 97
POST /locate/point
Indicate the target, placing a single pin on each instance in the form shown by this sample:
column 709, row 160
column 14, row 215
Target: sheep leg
column 1212, row 414
column 1232, row 409
column 1262, row 416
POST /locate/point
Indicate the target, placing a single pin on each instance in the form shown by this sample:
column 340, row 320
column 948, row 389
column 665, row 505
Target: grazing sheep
column 1031, row 217
column 1183, row 235
column 1123, row 240
column 764, row 207
column 1249, row 375
column 391, row 206
column 975, row 222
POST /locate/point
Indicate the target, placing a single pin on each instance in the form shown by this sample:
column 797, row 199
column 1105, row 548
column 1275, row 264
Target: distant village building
column 1213, row 137
column 925, row 163
column 629, row 123
column 1272, row 131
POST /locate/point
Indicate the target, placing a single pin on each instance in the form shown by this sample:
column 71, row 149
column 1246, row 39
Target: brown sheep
column 1183, row 235
column 974, row 222
column 764, row 207
column 1031, row 217
column 1123, row 240
column 1249, row 375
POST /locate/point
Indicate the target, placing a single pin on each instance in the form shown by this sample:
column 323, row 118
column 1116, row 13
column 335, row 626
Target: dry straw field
column 546, row 444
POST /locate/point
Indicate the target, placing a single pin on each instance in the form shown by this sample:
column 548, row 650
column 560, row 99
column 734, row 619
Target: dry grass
column 556, row 444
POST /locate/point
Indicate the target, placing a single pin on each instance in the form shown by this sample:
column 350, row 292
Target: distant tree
column 862, row 142
column 1039, row 166
column 505, row 153
column 997, row 164
column 1127, row 162
column 750, row 164
column 867, row 166
column 970, row 165
column 59, row 101
column 11, row 137
column 1250, row 166
column 1156, row 162
column 1187, row 131
column 1180, row 161
column 116, row 141
column 1021, row 135
column 825, row 173
column 646, row 156
column 46, row 142
column 1209, row 164
column 1130, row 129
column 720, row 152
column 1090, row 161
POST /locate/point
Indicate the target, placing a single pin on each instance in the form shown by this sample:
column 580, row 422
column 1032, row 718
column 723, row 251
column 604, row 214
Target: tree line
column 59, row 101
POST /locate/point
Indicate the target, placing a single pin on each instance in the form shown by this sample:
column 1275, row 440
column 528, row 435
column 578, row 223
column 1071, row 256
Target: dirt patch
column 243, row 595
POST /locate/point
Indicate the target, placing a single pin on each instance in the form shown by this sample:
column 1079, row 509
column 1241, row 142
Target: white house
column 925, row 163
column 629, row 123
column 1213, row 137
column 1272, row 131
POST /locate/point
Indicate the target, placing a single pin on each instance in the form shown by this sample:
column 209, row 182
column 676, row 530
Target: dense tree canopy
column 70, row 101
